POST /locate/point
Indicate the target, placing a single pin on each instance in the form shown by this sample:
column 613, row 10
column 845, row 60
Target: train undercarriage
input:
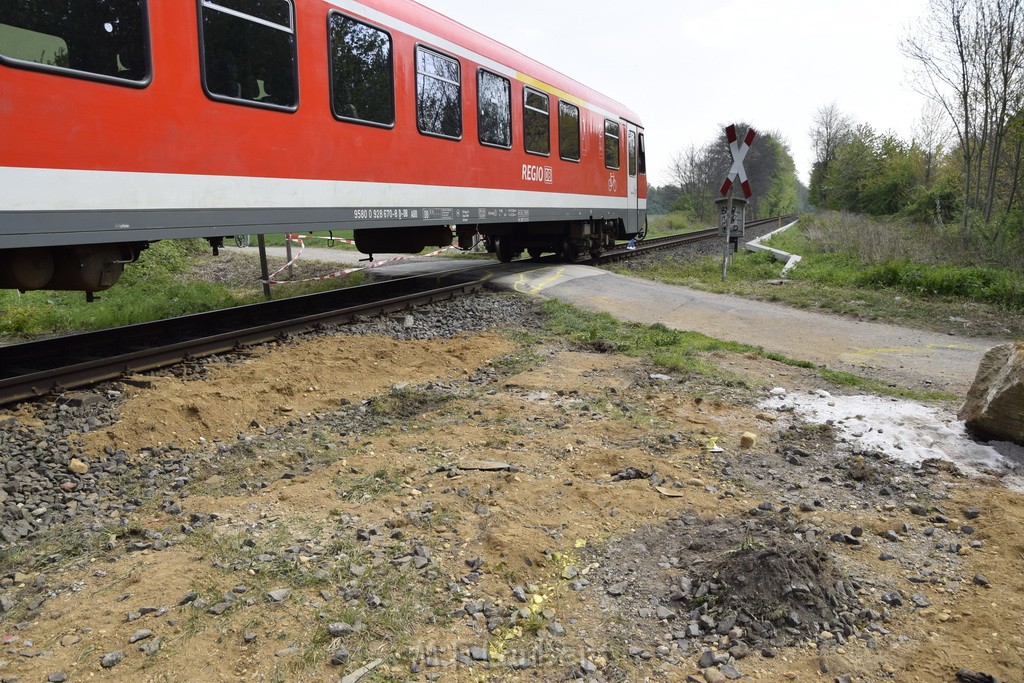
column 88, row 268
column 569, row 241
column 97, row 267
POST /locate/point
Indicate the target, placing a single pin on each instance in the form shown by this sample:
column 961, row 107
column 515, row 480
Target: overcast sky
column 687, row 67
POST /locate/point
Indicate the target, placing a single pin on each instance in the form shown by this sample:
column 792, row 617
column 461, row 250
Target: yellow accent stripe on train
column 562, row 95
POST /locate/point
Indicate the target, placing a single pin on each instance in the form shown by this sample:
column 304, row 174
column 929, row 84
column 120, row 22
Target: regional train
column 123, row 122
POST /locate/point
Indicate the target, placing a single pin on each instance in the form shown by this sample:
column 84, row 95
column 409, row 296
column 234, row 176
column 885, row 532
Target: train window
column 494, row 109
column 362, row 76
column 438, row 94
column 643, row 156
column 536, row 126
column 105, row 40
column 611, row 144
column 248, row 52
column 568, row 131
column 631, row 146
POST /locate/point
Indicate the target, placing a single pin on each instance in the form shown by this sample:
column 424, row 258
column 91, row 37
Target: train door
column 633, row 195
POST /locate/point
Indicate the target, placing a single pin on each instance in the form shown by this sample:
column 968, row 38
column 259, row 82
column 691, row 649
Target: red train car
column 128, row 121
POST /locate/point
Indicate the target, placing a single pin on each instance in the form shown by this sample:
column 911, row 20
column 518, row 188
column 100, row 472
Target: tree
column 693, row 170
column 831, row 129
column 931, row 133
column 971, row 57
column 699, row 172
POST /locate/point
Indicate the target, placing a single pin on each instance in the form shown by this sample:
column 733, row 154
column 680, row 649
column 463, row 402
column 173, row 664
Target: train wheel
column 534, row 252
column 504, row 250
column 242, row 240
column 570, row 252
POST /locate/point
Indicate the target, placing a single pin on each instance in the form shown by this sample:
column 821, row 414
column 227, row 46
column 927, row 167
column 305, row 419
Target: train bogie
column 128, row 121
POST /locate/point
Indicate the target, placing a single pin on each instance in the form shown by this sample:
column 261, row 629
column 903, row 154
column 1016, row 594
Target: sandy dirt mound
column 283, row 381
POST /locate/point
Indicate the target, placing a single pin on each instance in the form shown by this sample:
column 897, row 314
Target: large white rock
column 994, row 408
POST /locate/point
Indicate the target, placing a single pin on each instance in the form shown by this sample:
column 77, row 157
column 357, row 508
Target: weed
column 519, row 361
column 405, row 403
column 366, row 487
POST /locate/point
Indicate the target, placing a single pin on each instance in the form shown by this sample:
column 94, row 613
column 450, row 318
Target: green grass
column 996, row 286
column 684, row 351
column 158, row 286
column 671, row 224
column 670, row 349
column 863, row 270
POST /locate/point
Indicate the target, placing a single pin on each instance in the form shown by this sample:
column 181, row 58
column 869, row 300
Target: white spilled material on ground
column 905, row 430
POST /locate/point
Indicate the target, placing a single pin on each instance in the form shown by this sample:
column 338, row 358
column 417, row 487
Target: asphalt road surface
column 886, row 352
column 899, row 355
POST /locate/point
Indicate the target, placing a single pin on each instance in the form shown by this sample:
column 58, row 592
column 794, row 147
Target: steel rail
column 57, row 364
column 671, row 241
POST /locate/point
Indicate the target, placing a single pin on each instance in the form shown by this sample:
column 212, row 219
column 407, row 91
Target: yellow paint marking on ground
column 527, row 286
column 911, row 350
column 872, row 352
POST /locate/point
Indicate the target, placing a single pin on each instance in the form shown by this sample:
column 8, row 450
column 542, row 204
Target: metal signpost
column 732, row 211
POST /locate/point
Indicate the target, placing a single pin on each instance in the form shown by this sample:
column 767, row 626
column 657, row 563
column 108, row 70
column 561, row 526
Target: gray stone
column 219, row 609
column 339, row 628
column 731, row 672
column 479, row 654
column 739, row 650
column 278, row 595
column 893, row 598
column 992, row 408
column 151, row 647
column 140, row 635
column 111, row 659
column 191, row 596
column 617, row 589
column 341, row 656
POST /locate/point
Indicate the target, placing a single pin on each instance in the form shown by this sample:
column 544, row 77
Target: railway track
column 54, row 365
column 674, row 241
column 36, row 368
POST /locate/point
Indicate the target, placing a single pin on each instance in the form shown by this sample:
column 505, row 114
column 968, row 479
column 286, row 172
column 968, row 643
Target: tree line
column 962, row 169
column 698, row 171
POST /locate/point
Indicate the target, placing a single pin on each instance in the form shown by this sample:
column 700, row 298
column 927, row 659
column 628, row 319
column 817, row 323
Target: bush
column 989, row 285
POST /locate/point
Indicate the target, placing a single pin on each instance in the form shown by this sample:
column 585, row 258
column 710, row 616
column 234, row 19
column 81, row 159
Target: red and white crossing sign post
column 732, row 212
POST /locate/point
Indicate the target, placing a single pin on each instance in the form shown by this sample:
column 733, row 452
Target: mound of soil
column 788, row 589
column 755, row 573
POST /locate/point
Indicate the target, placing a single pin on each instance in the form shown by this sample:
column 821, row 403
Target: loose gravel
column 49, row 482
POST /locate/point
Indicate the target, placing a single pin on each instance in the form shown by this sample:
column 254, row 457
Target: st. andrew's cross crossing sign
column 739, row 152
